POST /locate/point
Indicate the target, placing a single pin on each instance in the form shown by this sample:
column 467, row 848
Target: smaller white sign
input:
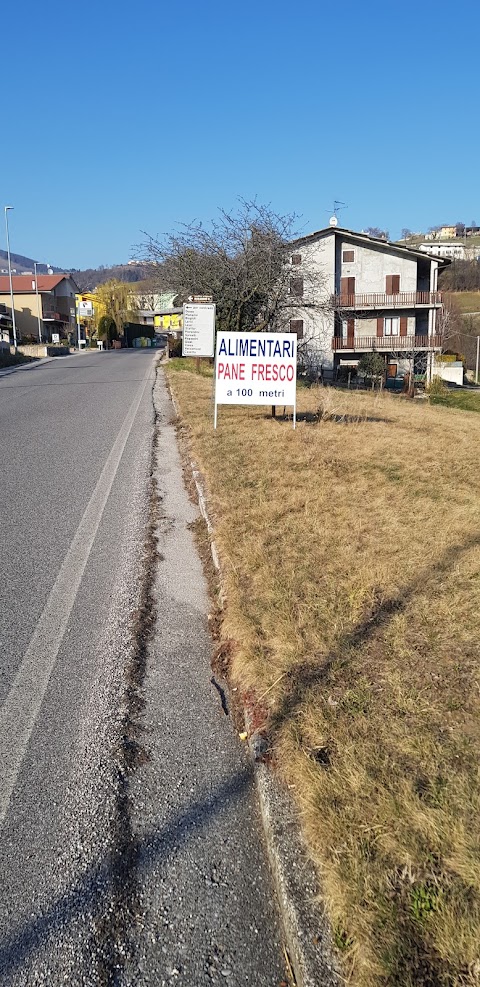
column 198, row 330
column 55, row 337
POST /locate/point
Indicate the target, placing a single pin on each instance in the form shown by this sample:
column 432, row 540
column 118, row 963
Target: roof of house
column 23, row 284
column 376, row 241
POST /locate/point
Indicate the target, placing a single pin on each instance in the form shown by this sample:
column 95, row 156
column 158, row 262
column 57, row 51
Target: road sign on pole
column 198, row 330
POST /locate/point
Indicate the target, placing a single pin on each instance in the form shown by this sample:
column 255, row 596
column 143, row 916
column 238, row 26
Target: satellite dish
column 333, row 221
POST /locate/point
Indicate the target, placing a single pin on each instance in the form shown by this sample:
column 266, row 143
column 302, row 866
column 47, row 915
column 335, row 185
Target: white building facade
column 352, row 294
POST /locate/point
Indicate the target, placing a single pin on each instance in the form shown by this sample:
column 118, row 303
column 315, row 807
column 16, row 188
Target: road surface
column 131, row 850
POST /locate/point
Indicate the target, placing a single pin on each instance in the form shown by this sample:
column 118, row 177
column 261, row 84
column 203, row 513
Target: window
column 348, row 256
column 296, row 325
column 296, row 258
column 392, row 326
column 296, row 287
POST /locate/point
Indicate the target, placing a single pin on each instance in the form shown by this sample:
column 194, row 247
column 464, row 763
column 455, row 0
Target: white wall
column 453, row 372
column 371, row 266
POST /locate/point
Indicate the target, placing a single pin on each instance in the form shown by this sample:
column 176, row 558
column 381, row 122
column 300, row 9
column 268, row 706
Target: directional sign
column 198, row 330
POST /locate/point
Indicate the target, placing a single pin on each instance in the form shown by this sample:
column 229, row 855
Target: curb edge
column 306, row 928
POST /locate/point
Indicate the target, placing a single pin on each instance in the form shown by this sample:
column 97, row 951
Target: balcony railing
column 386, row 343
column 404, row 299
column 54, row 317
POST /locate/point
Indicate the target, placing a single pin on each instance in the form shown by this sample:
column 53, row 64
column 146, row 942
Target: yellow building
column 86, row 311
column 448, row 231
column 169, row 321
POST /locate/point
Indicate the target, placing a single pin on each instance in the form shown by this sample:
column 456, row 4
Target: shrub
column 372, row 366
column 107, row 328
column 437, row 388
column 174, row 346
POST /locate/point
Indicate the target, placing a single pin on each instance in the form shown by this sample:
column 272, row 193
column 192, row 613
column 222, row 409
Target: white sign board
column 256, row 368
column 55, row 337
column 85, row 310
column 198, row 330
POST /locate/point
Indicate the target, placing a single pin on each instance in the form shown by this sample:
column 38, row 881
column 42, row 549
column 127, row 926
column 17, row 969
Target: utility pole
column 38, row 303
column 476, row 362
column 10, row 279
column 78, row 324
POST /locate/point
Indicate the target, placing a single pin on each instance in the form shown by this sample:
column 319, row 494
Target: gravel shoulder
column 206, row 907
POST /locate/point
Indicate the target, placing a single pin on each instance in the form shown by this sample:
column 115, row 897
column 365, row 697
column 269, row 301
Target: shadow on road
column 91, row 894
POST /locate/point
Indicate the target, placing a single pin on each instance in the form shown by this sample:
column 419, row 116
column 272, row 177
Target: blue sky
column 122, row 117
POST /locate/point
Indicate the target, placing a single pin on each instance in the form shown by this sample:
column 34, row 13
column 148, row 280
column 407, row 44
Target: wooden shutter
column 348, row 256
column 347, row 289
column 296, row 258
column 403, row 325
column 379, row 327
column 296, row 287
column 392, row 286
column 296, row 325
column 350, row 328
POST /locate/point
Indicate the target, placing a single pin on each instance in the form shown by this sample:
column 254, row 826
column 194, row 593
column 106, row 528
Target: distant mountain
column 86, row 280
column 23, row 265
column 89, row 279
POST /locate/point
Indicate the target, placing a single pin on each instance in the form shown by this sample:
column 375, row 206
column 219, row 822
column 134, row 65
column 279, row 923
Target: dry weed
column 351, row 554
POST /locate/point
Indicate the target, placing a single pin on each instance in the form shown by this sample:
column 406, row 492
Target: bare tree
column 243, row 260
column 376, row 232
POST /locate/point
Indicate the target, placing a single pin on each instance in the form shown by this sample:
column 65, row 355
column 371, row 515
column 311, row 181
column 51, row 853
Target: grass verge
column 350, row 550
column 13, row 359
column 466, row 301
column 463, row 400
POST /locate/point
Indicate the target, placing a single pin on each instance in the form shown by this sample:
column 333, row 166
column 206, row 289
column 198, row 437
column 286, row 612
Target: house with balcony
column 51, row 298
column 351, row 294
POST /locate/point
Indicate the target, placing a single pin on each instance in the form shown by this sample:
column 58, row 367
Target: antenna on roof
column 337, row 207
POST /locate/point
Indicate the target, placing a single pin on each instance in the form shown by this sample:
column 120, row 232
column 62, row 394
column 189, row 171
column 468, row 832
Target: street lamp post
column 79, row 335
column 10, row 279
column 38, row 303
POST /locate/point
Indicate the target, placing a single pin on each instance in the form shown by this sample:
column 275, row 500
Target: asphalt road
column 131, row 850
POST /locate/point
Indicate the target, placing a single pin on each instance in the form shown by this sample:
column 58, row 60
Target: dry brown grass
column 351, row 556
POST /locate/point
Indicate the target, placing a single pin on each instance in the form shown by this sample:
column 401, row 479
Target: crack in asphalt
column 222, row 694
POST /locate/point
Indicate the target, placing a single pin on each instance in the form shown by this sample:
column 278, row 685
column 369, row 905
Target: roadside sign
column 85, row 310
column 198, row 330
column 256, row 368
column 55, row 337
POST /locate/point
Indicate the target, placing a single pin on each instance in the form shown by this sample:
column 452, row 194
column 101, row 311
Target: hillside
column 22, row 264
column 86, row 280
column 89, row 279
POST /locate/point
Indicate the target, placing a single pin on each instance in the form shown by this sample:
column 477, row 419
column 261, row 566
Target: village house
column 351, row 294
column 52, row 299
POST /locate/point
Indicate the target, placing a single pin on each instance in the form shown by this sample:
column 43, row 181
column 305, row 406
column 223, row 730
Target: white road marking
column 20, row 710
